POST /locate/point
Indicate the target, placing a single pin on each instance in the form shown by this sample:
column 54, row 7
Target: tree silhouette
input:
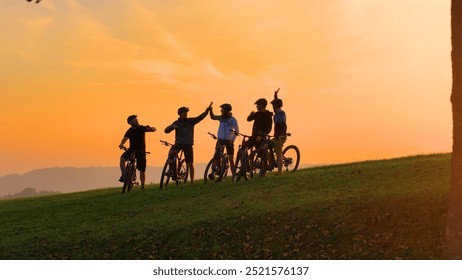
column 454, row 221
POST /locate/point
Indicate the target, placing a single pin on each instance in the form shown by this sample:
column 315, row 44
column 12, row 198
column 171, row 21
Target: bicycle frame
column 219, row 146
column 217, row 168
column 267, row 158
column 130, row 170
column 175, row 167
column 241, row 156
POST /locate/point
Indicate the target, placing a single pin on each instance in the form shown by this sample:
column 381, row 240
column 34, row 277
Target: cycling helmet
column 183, row 110
column 261, row 101
column 131, row 118
column 277, row 102
column 226, row 107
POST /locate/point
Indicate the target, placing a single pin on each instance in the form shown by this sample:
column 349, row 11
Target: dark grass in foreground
column 391, row 209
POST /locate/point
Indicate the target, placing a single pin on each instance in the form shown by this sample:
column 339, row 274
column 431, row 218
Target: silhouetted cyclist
column 262, row 123
column 137, row 136
column 227, row 123
column 184, row 135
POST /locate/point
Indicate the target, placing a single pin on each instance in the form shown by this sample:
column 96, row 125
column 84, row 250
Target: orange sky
column 360, row 79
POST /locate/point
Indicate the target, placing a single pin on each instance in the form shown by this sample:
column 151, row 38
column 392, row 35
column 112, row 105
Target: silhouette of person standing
column 184, row 135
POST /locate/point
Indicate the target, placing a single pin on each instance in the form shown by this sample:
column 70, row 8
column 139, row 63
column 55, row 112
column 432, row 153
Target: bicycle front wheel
column 216, row 169
column 166, row 174
column 240, row 166
column 128, row 181
column 290, row 158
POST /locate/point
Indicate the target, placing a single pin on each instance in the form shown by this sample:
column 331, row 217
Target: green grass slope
column 390, row 209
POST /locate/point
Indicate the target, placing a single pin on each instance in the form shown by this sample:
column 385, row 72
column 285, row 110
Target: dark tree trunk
column 454, row 222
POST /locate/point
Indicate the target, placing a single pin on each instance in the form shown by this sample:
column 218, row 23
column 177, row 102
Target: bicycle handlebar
column 237, row 133
column 213, row 135
column 166, row 143
column 135, row 151
column 247, row 136
column 272, row 136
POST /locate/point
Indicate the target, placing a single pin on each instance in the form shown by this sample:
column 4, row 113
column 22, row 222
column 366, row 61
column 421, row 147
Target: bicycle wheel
column 209, row 173
column 254, row 162
column 182, row 171
column 290, row 158
column 128, row 181
column 216, row 169
column 240, row 166
column 166, row 174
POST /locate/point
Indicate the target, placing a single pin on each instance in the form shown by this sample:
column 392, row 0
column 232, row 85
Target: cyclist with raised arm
column 184, row 135
column 225, row 136
column 136, row 134
column 280, row 130
column 262, row 123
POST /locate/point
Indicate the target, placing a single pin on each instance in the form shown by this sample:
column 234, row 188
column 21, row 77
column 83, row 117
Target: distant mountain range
column 73, row 179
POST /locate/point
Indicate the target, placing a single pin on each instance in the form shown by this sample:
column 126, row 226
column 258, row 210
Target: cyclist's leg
column 141, row 166
column 142, row 178
column 278, row 144
column 230, row 153
column 189, row 158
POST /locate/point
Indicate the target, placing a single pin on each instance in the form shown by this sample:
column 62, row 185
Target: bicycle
column 218, row 166
column 129, row 174
column 241, row 166
column 175, row 167
column 263, row 160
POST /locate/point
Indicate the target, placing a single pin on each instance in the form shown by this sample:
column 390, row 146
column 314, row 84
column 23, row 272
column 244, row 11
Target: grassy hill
column 390, row 209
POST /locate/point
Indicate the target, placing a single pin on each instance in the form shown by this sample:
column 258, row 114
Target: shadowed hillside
column 391, row 209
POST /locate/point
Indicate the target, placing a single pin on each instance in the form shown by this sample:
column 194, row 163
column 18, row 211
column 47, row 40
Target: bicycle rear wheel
column 166, row 174
column 290, row 158
column 241, row 166
column 128, row 181
column 216, row 169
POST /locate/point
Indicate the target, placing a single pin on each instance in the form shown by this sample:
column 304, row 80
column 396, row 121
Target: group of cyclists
column 227, row 130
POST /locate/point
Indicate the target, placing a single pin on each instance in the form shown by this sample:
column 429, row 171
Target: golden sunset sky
column 360, row 79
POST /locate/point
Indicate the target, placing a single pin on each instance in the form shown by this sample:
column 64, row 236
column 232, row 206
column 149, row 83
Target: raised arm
column 199, row 118
column 213, row 116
